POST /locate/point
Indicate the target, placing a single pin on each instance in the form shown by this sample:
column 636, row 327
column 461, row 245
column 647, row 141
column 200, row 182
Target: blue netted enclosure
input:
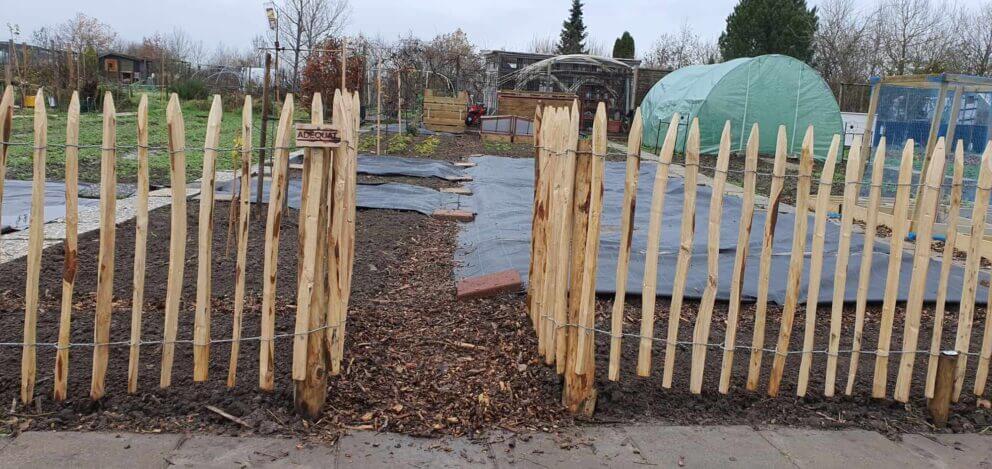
column 770, row 90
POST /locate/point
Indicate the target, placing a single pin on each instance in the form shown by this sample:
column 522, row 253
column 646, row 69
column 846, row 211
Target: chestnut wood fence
column 326, row 247
column 565, row 241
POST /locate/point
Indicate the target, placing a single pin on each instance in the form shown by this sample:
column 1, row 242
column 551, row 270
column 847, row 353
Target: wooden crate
column 524, row 103
column 445, row 113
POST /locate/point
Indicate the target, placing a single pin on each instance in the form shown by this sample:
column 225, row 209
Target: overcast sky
column 508, row 24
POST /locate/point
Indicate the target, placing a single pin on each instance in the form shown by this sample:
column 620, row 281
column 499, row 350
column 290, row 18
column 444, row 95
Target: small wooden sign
column 317, row 136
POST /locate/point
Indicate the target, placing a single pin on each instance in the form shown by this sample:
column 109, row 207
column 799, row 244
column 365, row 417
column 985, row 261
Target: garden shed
column 770, row 90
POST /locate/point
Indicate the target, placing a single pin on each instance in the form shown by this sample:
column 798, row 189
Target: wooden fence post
column 765, row 263
column 981, row 375
column 585, row 353
column 649, row 284
column 242, row 256
column 348, row 251
column 688, row 228
column 140, row 243
column 626, row 235
column 740, row 257
column 864, row 273
column 204, row 280
column 309, row 351
column 892, row 275
column 35, row 240
column 701, row 332
column 972, row 263
column 273, row 224
column 577, row 389
column 939, row 405
column 6, row 124
column 947, row 261
column 538, row 220
column 796, row 261
column 108, row 230
column 550, row 125
column 816, row 263
column 70, row 247
column 177, row 236
column 921, row 265
column 851, row 186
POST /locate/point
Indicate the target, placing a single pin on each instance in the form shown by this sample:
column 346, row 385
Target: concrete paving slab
column 387, row 450
column 675, row 446
column 583, row 448
column 234, row 452
column 88, row 450
column 841, row 449
column 965, row 450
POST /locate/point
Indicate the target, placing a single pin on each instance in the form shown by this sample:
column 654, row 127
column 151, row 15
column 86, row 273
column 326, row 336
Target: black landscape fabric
column 17, row 203
column 499, row 238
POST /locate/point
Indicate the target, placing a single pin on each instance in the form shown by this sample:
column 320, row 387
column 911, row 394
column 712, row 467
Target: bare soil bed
column 452, row 147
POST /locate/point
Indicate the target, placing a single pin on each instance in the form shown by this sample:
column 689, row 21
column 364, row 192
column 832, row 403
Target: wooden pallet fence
column 564, row 244
column 328, row 228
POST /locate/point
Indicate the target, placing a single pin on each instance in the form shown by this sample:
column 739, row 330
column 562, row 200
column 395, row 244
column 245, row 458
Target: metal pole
column 265, row 126
column 344, row 64
column 276, row 77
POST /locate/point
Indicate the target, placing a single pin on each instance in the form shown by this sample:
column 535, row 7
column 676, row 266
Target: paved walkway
column 636, row 446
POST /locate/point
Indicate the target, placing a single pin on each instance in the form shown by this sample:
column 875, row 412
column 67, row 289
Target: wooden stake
column 851, row 187
column 701, row 331
column 816, row 263
column 577, row 388
column 337, row 222
column 70, row 248
column 177, row 235
column 538, row 219
column 685, row 250
column 311, row 361
column 242, row 257
column 552, row 141
column 563, row 240
column 947, row 260
column 765, row 264
column 108, row 230
column 273, row 224
column 940, row 404
column 649, row 284
column 351, row 183
column 6, row 124
column 864, row 274
column 626, row 235
column 892, row 276
column 740, row 257
column 585, row 361
column 204, row 281
column 35, row 240
column 796, row 261
column 982, row 374
column 921, row 265
column 378, row 107
column 140, row 243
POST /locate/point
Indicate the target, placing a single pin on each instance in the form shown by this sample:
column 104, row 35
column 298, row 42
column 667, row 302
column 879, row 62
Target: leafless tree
column 976, row 47
column 305, row 23
column 596, row 47
column 543, row 45
column 680, row 50
column 841, row 43
column 912, row 35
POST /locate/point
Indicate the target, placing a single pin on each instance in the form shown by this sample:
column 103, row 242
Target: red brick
column 489, row 285
column 456, row 215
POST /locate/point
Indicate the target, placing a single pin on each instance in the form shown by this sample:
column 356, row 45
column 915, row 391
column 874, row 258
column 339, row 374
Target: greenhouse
column 769, row 90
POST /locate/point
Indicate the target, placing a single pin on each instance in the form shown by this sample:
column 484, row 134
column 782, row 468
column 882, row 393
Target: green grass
column 20, row 158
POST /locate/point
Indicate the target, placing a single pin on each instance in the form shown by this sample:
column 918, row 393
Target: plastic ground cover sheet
column 390, row 196
column 499, row 238
column 401, row 166
column 17, row 203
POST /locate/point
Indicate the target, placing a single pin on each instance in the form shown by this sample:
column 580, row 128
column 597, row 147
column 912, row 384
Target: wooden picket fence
column 326, row 237
column 565, row 241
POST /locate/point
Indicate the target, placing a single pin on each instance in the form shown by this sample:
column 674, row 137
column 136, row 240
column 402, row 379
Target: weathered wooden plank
column 921, row 264
column 177, row 235
column 892, row 274
column 851, row 187
column 688, row 232
column 70, row 248
column 242, row 255
column 740, row 258
column 626, row 235
column 273, row 224
column 649, row 285
column 108, row 231
column 35, row 240
column 140, row 246
column 947, row 261
column 765, row 263
column 864, row 273
column 796, row 261
column 816, row 263
column 701, row 331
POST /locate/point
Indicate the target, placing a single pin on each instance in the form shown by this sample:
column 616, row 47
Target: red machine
column 474, row 115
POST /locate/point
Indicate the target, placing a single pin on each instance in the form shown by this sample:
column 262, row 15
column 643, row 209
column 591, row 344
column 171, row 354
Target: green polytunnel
column 770, row 90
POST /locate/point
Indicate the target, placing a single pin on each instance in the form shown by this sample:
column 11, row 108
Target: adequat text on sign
column 317, row 136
